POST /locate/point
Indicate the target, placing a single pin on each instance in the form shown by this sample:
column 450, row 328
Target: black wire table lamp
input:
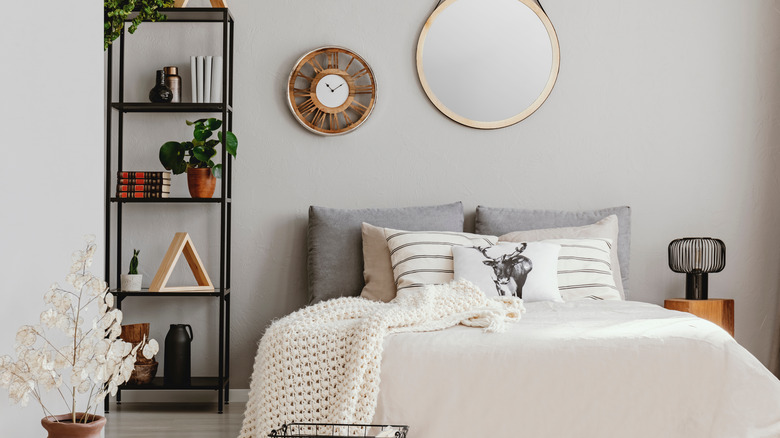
column 697, row 257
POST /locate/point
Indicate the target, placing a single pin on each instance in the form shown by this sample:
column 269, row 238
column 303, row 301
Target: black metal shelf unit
column 114, row 155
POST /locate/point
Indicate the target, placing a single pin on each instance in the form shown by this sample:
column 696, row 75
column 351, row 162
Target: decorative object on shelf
column 180, row 3
column 331, row 90
column 206, row 71
column 218, row 3
column 115, row 12
column 198, row 154
column 178, row 355
column 173, row 81
column 181, row 243
column 696, row 257
column 160, row 93
column 47, row 359
column 143, row 184
column 513, row 54
column 131, row 282
column 145, row 369
column 201, row 182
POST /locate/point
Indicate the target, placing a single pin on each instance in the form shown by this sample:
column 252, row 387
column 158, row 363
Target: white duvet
column 579, row 369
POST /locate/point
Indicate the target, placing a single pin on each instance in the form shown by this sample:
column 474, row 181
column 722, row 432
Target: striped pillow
column 420, row 258
column 585, row 269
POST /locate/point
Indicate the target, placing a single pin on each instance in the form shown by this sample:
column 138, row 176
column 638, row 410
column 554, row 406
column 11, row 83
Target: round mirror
column 488, row 63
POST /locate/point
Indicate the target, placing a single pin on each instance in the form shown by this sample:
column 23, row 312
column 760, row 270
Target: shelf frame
column 119, row 108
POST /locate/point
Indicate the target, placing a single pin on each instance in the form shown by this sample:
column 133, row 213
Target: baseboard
column 236, row 395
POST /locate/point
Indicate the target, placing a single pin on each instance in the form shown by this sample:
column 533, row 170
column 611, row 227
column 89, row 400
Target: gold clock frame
column 328, row 112
column 556, row 63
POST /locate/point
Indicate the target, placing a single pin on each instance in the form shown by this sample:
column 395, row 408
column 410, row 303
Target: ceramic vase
column 201, row 182
column 62, row 426
column 131, row 282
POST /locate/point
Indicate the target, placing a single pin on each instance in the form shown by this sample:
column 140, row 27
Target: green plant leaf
column 202, row 134
column 231, row 143
column 172, row 155
column 217, row 170
column 187, row 145
column 213, row 124
column 203, row 153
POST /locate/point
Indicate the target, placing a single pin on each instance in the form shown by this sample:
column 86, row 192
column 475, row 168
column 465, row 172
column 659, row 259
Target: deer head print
column 509, row 270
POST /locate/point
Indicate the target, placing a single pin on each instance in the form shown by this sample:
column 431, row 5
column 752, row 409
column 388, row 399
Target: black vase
column 178, row 355
column 160, row 93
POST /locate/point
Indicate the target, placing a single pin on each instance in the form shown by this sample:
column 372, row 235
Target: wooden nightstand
column 719, row 311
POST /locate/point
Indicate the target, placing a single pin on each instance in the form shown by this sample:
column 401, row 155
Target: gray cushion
column 498, row 221
column 336, row 246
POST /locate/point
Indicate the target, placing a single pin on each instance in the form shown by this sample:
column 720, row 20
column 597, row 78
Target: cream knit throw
column 321, row 363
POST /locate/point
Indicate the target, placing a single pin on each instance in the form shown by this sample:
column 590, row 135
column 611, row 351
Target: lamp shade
column 697, row 257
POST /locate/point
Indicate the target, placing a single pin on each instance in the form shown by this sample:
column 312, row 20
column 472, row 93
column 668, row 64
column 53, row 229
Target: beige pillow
column 420, row 258
column 606, row 228
column 377, row 269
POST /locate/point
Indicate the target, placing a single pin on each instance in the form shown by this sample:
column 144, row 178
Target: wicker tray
column 317, row 430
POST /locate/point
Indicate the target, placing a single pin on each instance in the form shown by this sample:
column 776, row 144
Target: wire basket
column 317, row 430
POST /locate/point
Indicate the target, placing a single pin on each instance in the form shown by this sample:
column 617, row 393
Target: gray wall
column 670, row 107
column 52, row 172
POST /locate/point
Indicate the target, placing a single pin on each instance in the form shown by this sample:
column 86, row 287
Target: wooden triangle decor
column 182, row 243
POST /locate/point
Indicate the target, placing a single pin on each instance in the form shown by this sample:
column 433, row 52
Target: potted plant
column 196, row 157
column 131, row 282
column 67, row 354
column 115, row 13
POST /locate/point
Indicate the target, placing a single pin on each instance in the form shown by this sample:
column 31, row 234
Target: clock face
column 331, row 91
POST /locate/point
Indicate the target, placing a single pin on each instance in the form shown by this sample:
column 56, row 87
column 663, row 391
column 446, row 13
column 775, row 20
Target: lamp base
column 696, row 286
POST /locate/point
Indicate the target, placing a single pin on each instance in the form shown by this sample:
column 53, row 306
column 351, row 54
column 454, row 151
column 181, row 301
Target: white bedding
column 579, row 369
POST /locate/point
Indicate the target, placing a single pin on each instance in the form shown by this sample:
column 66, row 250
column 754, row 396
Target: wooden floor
column 171, row 420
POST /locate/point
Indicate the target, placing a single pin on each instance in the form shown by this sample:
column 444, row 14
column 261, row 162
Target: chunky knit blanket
column 321, row 364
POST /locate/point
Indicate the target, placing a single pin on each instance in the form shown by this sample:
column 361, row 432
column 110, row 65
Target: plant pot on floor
column 131, row 282
column 62, row 426
column 201, row 182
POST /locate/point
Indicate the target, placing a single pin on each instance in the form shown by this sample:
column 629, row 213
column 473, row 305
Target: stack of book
column 206, row 79
column 143, row 184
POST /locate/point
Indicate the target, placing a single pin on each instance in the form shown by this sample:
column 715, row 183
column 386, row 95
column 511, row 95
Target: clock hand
column 331, row 89
column 337, row 87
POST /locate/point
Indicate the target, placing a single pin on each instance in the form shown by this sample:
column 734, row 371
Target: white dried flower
column 150, row 349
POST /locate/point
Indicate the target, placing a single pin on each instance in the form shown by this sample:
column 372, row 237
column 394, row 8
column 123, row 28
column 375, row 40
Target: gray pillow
column 499, row 221
column 336, row 248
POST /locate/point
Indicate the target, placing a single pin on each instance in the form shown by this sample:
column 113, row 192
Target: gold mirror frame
column 556, row 62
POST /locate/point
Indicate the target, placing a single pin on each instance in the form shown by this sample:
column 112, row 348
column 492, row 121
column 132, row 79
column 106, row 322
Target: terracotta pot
column 143, row 373
column 61, row 426
column 201, row 182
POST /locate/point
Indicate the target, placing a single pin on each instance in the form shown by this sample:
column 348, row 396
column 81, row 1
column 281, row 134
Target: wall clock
column 331, row 90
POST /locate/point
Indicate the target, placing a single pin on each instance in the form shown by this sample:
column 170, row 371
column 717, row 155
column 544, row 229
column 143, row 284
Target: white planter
column 131, row 283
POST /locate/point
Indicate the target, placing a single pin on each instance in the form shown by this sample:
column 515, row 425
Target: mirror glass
column 488, row 63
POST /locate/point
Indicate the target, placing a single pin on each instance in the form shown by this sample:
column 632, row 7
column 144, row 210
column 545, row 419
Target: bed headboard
column 335, row 252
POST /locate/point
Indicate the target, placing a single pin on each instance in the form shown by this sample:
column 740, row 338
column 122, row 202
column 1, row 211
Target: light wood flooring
column 174, row 420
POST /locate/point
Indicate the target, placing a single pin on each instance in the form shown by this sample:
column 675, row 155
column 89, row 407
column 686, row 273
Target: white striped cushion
column 420, row 258
column 585, row 269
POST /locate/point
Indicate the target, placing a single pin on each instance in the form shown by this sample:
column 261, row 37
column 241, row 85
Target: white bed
column 579, row 369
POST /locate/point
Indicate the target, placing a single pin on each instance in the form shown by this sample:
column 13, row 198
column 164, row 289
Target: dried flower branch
column 91, row 359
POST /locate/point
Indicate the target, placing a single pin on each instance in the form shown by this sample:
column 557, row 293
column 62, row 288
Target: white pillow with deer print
column 527, row 270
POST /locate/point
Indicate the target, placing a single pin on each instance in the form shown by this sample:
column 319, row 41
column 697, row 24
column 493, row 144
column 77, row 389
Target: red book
column 149, row 188
column 142, row 195
column 144, row 174
column 143, row 181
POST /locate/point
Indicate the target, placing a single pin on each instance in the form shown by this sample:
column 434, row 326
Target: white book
column 200, row 79
column 207, row 80
column 193, row 78
column 216, row 79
